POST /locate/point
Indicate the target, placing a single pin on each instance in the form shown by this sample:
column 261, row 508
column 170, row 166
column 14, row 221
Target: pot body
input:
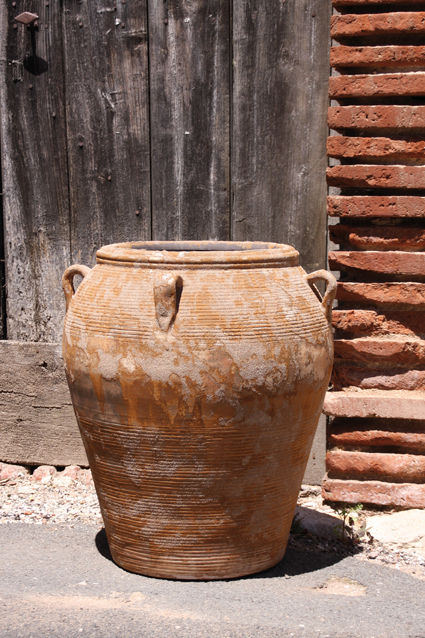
column 197, row 389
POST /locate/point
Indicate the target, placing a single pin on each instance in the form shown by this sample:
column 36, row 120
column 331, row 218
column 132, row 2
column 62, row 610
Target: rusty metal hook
column 30, row 20
column 32, row 63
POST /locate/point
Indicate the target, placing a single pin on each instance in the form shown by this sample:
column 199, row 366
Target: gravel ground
column 47, row 496
column 65, row 498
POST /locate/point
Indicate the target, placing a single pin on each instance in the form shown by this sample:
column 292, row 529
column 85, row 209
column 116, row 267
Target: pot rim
column 199, row 252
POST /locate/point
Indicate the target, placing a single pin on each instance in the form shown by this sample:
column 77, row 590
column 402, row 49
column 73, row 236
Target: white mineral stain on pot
column 82, row 339
column 128, row 362
column 256, row 367
column 156, row 256
column 107, row 365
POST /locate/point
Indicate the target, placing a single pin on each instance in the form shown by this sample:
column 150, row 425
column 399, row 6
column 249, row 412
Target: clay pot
column 197, row 371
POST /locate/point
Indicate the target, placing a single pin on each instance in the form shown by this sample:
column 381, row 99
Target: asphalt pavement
column 59, row 581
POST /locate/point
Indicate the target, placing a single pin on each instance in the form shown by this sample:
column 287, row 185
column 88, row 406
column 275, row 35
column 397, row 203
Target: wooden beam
column 37, row 422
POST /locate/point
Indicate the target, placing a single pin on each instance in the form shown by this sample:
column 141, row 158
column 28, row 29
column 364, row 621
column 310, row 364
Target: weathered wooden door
column 139, row 119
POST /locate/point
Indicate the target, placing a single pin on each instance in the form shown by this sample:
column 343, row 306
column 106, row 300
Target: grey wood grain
column 190, row 85
column 280, row 78
column 3, row 330
column 106, row 78
column 34, row 172
column 37, row 422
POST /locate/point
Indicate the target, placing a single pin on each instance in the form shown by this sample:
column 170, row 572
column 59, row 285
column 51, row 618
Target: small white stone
column 406, row 527
column 62, row 481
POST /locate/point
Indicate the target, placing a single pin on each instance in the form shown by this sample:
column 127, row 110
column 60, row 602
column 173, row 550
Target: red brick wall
column 376, row 436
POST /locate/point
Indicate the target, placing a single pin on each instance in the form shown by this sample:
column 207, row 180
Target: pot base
column 199, row 573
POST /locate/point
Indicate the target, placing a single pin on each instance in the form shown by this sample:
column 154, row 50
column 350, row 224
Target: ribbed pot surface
column 197, row 374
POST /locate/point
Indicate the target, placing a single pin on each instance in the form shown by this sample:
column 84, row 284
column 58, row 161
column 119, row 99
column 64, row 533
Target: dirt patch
column 344, row 586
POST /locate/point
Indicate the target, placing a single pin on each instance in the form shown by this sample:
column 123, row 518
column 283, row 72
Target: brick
column 372, row 176
column 345, row 376
column 376, row 149
column 378, row 56
column 370, row 3
column 390, row 262
column 405, row 238
column 409, row 295
column 376, row 206
column 390, row 425
column 72, row 471
column 9, row 472
column 402, row 351
column 377, row 117
column 377, row 438
column 356, row 322
column 385, row 404
column 397, row 468
column 370, row 323
column 44, row 473
column 375, row 24
column 377, row 85
column 399, row 495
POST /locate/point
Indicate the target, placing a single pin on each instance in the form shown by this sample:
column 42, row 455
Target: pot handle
column 68, row 280
column 330, row 292
column 167, row 292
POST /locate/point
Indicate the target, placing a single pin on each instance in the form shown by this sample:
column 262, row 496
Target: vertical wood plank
column 189, row 78
column 3, row 331
column 106, row 76
column 34, row 172
column 280, row 78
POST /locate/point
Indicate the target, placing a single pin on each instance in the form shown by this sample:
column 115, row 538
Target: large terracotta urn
column 197, row 371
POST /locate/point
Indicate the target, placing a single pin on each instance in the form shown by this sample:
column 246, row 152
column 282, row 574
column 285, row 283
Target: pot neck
column 183, row 254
